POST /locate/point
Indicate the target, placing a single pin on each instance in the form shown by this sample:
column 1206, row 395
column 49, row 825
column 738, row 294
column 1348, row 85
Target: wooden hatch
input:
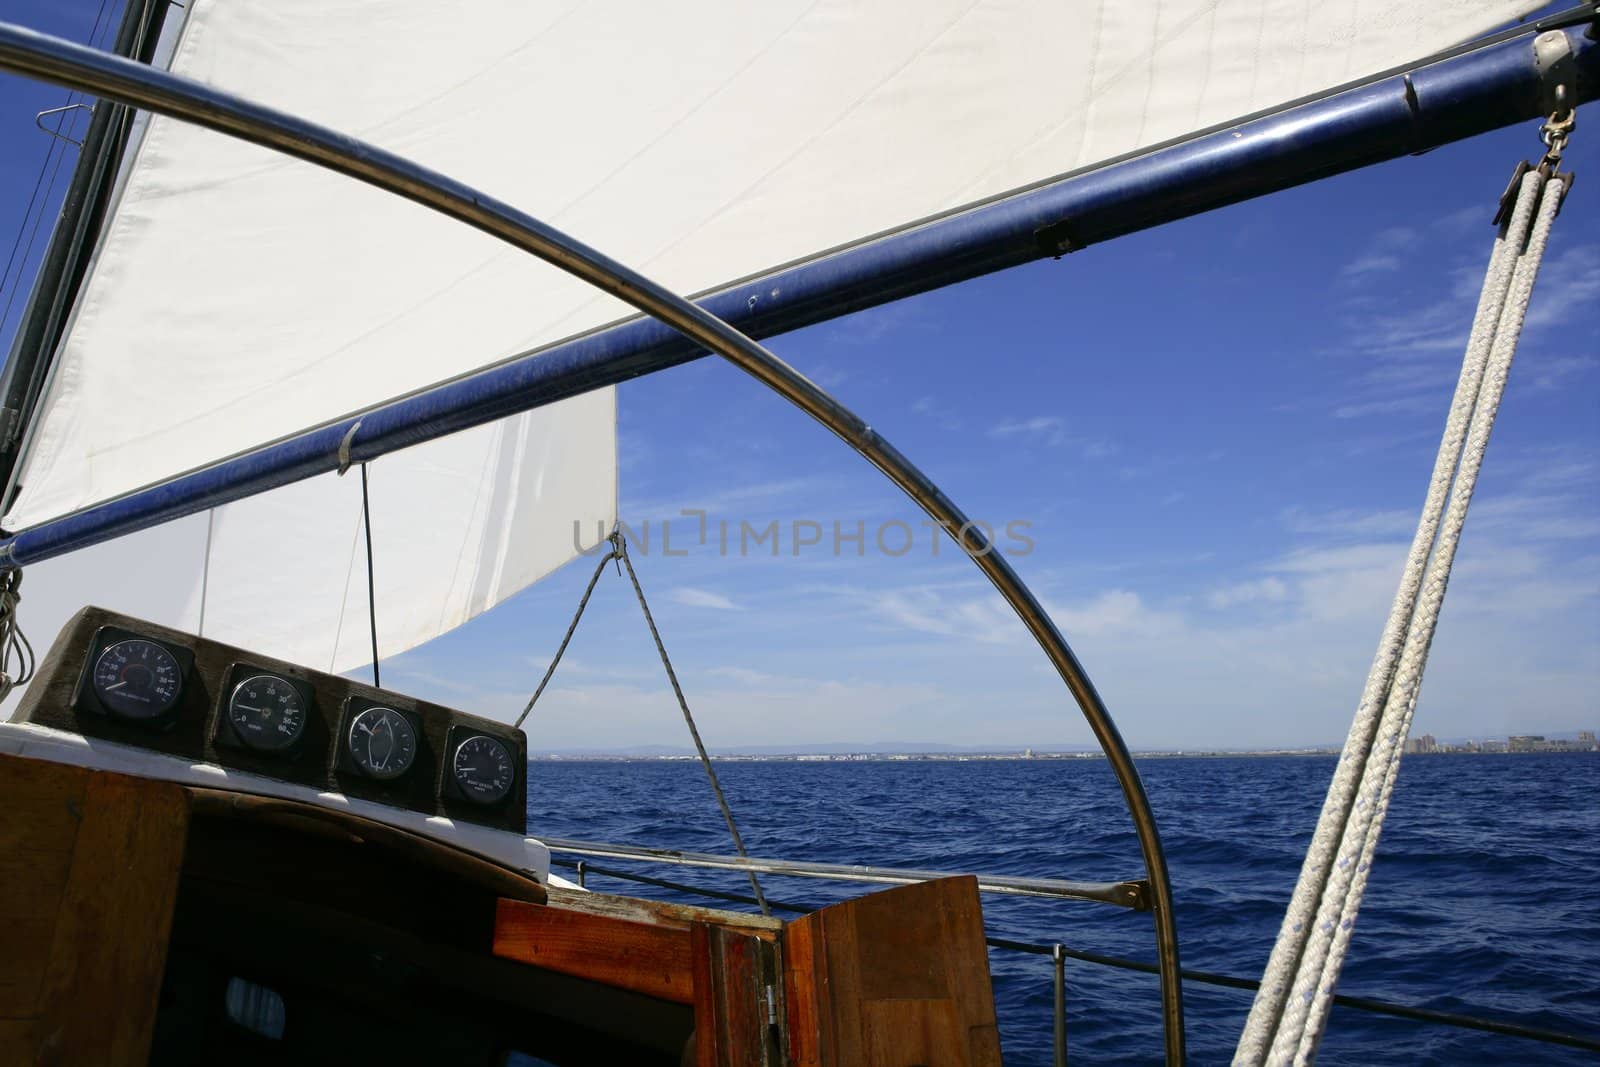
column 130, row 904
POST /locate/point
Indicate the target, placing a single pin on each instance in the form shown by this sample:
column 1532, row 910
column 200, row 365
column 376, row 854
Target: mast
column 72, row 239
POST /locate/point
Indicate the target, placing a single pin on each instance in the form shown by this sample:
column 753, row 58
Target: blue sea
column 1483, row 899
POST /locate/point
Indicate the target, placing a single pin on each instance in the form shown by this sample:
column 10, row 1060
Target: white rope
column 1303, row 961
column 1378, row 783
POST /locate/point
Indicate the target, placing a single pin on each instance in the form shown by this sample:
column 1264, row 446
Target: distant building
column 1586, row 740
column 1525, row 742
column 1425, row 743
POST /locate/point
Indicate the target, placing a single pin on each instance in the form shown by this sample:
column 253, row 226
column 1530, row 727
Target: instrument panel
column 118, row 678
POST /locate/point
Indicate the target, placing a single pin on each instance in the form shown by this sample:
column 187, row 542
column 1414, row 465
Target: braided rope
column 1378, row 782
column 1322, row 908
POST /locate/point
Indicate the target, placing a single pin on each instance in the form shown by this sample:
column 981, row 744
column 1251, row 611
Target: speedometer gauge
column 381, row 743
column 483, row 770
column 137, row 679
column 267, row 713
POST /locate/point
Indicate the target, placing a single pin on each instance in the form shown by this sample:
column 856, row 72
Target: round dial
column 137, row 679
column 267, row 713
column 382, row 743
column 483, row 770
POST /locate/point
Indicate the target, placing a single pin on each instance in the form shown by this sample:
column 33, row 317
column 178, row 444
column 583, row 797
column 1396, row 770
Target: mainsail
column 237, row 297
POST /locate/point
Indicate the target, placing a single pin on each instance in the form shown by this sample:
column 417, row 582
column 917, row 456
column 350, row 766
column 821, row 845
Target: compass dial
column 266, row 713
column 382, row 743
column 137, row 679
column 483, row 770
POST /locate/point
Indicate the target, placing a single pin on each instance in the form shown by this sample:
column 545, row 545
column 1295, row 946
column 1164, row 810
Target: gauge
column 267, row 713
column 382, row 743
column 137, row 679
column 483, row 770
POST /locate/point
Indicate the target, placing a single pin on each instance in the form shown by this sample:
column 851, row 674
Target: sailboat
column 306, row 239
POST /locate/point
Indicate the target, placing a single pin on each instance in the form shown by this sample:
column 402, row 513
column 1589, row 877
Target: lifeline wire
column 1291, row 1007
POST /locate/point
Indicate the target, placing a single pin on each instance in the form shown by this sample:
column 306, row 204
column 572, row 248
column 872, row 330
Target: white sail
column 238, row 296
column 458, row 525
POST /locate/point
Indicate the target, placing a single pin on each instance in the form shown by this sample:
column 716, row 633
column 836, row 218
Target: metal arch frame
column 74, row 66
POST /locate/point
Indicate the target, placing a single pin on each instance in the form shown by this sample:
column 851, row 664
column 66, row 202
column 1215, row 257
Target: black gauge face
column 266, row 713
column 382, row 743
column 137, row 679
column 483, row 770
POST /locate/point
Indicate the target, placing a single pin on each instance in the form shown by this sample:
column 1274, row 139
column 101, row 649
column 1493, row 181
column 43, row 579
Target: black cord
column 372, row 592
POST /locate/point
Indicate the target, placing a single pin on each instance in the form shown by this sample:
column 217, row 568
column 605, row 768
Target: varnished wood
column 664, row 913
column 803, row 984
column 650, row 959
column 42, row 804
column 894, row 979
column 732, row 972
column 100, row 976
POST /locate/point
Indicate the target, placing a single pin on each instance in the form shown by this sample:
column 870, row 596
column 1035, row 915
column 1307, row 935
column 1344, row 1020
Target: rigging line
column 1292, row 1008
column 571, row 629
column 205, row 570
column 1317, row 871
column 1378, row 784
column 372, row 591
column 620, row 547
column 67, row 117
column 33, row 234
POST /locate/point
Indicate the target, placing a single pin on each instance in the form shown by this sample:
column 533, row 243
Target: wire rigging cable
column 1290, row 1011
column 66, row 118
column 372, row 589
column 619, row 553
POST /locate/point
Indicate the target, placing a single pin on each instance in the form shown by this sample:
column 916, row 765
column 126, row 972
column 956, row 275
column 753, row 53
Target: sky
column 1214, row 436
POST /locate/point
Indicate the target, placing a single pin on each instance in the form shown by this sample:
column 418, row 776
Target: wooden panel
column 111, row 941
column 894, row 979
column 654, row 960
column 99, row 976
column 802, row 985
column 732, row 971
column 42, row 803
column 664, row 913
column 17, row 1042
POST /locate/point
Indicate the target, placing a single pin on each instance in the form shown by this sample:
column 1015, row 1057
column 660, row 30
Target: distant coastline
column 1579, row 743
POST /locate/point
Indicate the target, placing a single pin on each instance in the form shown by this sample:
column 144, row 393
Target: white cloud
column 1270, row 590
column 1347, row 522
column 1568, row 283
column 1051, row 429
column 701, row 598
column 1385, row 253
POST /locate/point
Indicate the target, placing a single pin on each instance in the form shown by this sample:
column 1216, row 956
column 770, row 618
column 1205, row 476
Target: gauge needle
column 119, row 685
column 382, row 763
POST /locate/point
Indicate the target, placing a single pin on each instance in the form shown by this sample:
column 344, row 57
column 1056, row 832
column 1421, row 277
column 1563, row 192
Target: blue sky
column 1219, row 431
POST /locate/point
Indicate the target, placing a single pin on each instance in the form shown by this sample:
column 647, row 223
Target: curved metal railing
column 74, row 66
